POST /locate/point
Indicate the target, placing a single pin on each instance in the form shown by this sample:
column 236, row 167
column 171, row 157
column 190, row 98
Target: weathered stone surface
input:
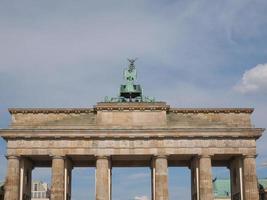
column 236, row 178
column 209, row 119
column 68, row 178
column 12, row 185
column 55, row 120
column 26, row 167
column 131, row 134
column 130, row 115
column 161, row 178
column 250, row 178
column 57, row 187
column 126, row 119
column 205, row 178
column 194, row 178
column 103, row 181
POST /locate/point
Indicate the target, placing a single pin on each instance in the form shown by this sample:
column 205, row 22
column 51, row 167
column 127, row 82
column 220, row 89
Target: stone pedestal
column 103, row 179
column 160, row 176
column 236, row 178
column 58, row 176
column 250, row 183
column 205, row 178
column 12, row 186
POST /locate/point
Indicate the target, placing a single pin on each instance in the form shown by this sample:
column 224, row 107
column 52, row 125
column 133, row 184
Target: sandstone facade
column 132, row 134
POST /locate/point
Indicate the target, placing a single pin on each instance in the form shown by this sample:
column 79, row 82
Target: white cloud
column 141, row 198
column 253, row 80
column 56, row 54
column 138, row 176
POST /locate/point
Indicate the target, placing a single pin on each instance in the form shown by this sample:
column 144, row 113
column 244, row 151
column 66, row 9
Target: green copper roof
column 222, row 188
column 263, row 182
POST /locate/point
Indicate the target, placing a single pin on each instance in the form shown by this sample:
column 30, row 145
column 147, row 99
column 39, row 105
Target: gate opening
column 221, row 182
column 131, row 183
column 41, row 182
column 179, row 183
column 83, row 183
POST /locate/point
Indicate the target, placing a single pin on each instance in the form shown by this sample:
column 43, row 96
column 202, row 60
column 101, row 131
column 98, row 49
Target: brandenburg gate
column 131, row 130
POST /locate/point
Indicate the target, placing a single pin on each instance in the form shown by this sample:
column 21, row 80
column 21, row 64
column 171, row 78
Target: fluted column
column 58, row 176
column 103, row 179
column 236, row 178
column 160, row 176
column 205, row 178
column 68, row 179
column 12, row 185
column 25, row 178
column 250, row 183
column 152, row 168
column 194, row 178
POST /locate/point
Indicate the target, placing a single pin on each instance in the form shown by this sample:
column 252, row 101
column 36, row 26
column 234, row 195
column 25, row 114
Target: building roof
column 2, row 187
column 222, row 188
column 263, row 182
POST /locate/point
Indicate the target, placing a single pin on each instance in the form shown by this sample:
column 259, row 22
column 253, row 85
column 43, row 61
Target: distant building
column 222, row 189
column 40, row 191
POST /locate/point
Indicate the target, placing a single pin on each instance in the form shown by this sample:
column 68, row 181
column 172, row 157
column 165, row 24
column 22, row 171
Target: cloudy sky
column 196, row 53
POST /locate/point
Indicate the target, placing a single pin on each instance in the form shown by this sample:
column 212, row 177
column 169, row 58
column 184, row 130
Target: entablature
column 130, row 115
column 205, row 133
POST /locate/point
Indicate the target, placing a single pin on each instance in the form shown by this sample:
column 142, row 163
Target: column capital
column 103, row 157
column 204, row 156
column 15, row 157
column 164, row 156
column 58, row 157
column 250, row 156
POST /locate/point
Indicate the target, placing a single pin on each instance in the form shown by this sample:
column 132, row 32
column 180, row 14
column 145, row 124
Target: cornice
column 202, row 133
column 50, row 110
column 127, row 106
column 211, row 110
column 103, row 106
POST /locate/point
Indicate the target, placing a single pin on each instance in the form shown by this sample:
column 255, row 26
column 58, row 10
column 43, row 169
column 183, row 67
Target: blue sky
column 196, row 53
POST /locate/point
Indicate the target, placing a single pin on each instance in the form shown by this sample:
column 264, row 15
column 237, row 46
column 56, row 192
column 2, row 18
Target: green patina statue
column 130, row 76
column 130, row 92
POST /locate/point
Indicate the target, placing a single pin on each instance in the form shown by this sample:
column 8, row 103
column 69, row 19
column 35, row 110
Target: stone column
column 194, row 178
column 205, row 178
column 236, row 178
column 103, row 180
column 160, row 175
column 152, row 168
column 67, row 181
column 12, row 185
column 250, row 183
column 25, row 179
column 58, row 176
